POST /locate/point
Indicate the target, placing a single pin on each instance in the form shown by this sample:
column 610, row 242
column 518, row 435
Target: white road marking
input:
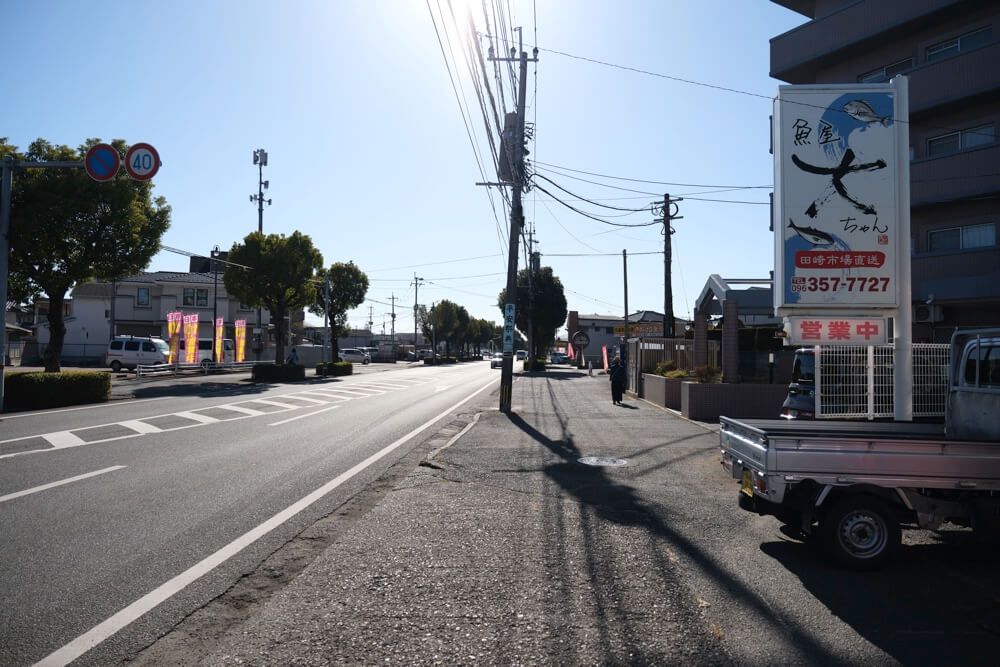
column 291, row 419
column 194, row 416
column 141, row 426
column 104, row 630
column 246, row 411
column 62, row 439
column 448, row 386
column 286, row 406
column 68, row 480
column 317, row 401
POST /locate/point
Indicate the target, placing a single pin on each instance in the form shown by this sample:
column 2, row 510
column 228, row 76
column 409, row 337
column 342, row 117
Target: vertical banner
column 191, row 339
column 174, row 321
column 218, row 341
column 241, row 340
column 837, row 223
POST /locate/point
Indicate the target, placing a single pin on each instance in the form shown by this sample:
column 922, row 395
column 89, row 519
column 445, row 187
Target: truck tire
column 860, row 532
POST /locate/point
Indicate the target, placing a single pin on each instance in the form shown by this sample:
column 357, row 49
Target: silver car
column 354, row 355
column 496, row 361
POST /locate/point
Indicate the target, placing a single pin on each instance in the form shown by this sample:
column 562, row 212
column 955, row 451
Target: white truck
column 852, row 485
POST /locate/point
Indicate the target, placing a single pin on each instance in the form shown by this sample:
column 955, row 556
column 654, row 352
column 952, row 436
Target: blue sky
column 368, row 152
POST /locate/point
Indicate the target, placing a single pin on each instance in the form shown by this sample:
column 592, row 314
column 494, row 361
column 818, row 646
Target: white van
column 205, row 351
column 132, row 351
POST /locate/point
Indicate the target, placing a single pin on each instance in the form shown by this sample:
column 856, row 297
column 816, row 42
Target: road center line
column 107, row 628
column 68, row 480
column 291, row 419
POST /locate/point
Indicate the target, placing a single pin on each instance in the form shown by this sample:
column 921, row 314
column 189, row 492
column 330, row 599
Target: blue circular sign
column 102, row 162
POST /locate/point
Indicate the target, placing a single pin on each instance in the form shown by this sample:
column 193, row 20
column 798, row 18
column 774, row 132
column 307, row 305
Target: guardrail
column 204, row 368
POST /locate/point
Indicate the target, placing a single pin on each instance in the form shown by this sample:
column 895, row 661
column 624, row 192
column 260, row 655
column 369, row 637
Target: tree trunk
column 57, row 331
column 278, row 319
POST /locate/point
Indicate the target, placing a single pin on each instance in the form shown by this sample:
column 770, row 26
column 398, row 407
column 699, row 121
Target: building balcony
column 954, row 81
column 955, row 177
column 799, row 53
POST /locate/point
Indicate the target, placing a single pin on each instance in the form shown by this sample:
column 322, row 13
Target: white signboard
column 836, row 330
column 838, row 228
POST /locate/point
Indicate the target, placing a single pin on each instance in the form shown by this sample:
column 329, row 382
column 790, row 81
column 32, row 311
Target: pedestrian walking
column 293, row 357
column 618, row 378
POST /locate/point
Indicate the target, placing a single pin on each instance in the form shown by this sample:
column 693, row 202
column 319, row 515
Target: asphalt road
column 103, row 505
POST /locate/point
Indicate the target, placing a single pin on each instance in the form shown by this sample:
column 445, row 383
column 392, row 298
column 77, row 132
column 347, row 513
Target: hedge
column 278, row 372
column 440, row 360
column 536, row 365
column 37, row 389
column 334, row 368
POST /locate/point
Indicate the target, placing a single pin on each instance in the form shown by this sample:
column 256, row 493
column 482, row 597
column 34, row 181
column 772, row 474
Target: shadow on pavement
column 913, row 609
column 618, row 503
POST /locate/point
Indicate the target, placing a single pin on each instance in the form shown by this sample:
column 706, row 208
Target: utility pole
column 625, row 283
column 531, row 296
column 326, row 319
column 416, row 287
column 393, row 299
column 515, row 149
column 668, row 293
column 260, row 159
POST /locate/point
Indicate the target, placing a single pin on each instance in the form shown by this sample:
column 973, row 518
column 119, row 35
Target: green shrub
column 37, row 390
column 677, row 374
column 278, row 372
column 665, row 367
column 440, row 360
column 707, row 374
column 334, row 368
column 536, row 365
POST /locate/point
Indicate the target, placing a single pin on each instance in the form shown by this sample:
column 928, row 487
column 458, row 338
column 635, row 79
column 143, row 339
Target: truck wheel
column 116, row 366
column 860, row 532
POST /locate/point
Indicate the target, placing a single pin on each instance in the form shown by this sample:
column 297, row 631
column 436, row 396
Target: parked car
column 132, row 351
column 205, row 351
column 522, row 355
column 426, row 354
column 496, row 361
column 354, row 355
column 558, row 358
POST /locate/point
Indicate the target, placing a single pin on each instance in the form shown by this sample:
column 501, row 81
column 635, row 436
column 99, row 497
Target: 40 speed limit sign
column 142, row 162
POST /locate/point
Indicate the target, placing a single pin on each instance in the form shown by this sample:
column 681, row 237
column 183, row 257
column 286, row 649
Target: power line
column 613, row 208
column 640, row 180
column 450, row 261
column 592, row 217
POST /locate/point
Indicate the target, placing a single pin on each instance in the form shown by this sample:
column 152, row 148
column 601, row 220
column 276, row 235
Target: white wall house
column 140, row 308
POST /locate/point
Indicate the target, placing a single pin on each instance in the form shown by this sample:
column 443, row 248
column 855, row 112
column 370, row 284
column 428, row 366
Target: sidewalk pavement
column 501, row 547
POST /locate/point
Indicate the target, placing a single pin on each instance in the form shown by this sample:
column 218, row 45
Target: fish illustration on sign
column 863, row 111
column 814, row 236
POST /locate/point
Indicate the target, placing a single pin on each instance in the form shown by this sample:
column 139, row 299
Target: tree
column 549, row 311
column 348, row 287
column 280, row 270
column 67, row 228
column 441, row 323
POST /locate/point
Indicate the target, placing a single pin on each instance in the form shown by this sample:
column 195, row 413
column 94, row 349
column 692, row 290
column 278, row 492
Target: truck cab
column 800, row 403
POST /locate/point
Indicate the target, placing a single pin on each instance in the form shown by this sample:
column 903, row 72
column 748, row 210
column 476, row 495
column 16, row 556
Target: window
column 963, row 238
column 115, row 345
column 965, row 42
column 132, row 346
column 956, row 141
column 188, row 296
column 609, row 330
column 203, row 297
column 142, row 296
column 244, row 306
column 148, row 347
column 982, row 366
column 887, row 72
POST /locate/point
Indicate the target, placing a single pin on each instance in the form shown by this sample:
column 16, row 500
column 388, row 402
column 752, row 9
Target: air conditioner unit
column 927, row 313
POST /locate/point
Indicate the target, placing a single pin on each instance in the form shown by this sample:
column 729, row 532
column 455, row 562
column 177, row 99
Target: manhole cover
column 605, row 461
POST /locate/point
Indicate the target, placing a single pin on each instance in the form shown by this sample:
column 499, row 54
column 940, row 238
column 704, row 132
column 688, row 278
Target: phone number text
column 835, row 284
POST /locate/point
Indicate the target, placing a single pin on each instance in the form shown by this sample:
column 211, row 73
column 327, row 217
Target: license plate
column 746, row 486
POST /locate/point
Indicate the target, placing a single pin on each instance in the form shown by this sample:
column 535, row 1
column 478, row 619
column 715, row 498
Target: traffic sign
column 102, row 162
column 142, row 162
column 581, row 340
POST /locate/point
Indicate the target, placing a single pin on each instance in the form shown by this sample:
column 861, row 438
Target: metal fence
column 204, row 368
column 645, row 354
column 856, row 381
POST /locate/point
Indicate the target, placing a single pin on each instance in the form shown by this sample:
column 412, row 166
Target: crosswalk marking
column 61, row 439
column 140, row 426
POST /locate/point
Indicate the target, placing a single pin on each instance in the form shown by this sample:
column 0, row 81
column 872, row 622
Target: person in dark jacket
column 618, row 379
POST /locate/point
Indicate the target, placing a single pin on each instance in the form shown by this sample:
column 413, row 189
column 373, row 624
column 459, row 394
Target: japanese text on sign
column 837, row 330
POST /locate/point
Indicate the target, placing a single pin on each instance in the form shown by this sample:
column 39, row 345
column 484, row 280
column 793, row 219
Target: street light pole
column 260, row 159
column 215, row 298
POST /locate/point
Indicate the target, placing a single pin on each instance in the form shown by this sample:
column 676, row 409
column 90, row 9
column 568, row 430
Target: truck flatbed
column 826, row 428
